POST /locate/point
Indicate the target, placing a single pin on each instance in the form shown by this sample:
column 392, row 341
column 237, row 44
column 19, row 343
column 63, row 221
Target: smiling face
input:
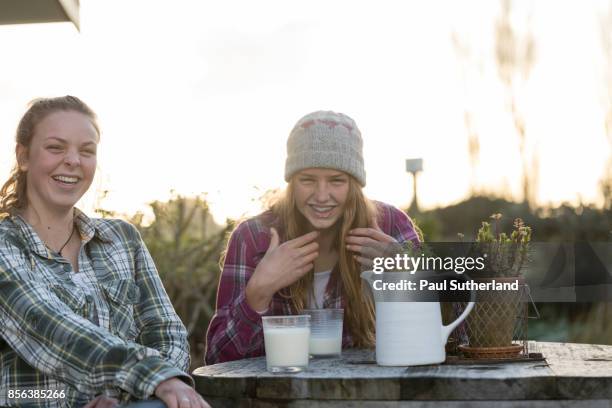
column 61, row 160
column 320, row 195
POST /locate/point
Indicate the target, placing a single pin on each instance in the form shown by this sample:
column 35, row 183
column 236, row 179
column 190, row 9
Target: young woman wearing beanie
column 84, row 318
column 307, row 249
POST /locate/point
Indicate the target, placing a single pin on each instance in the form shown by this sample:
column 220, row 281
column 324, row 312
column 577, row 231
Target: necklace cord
column 67, row 241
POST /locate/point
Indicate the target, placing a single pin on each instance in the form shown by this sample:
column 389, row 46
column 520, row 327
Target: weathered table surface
column 573, row 375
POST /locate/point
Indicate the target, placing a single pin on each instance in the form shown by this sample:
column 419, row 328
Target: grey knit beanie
column 325, row 139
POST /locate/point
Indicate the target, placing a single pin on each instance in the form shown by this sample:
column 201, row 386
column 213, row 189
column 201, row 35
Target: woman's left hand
column 176, row 394
column 102, row 401
column 370, row 243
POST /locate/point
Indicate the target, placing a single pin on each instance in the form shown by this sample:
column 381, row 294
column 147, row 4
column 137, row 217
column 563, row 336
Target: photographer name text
column 453, row 284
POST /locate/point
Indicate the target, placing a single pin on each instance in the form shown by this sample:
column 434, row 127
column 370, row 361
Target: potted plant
column 496, row 328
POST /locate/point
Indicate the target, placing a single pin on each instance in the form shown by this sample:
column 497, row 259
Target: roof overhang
column 39, row 11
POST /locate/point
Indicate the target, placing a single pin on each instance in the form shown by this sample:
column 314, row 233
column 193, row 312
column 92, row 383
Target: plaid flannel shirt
column 235, row 330
column 54, row 335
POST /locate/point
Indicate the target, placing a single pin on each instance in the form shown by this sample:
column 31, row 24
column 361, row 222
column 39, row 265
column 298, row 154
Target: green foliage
column 186, row 245
column 562, row 223
column 506, row 255
column 427, row 225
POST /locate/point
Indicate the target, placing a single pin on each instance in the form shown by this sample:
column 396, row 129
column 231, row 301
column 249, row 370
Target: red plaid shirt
column 235, row 330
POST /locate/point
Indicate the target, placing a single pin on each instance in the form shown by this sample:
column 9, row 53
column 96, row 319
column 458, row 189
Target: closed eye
column 339, row 181
column 55, row 148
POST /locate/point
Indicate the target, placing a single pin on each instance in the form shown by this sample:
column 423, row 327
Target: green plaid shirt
column 113, row 331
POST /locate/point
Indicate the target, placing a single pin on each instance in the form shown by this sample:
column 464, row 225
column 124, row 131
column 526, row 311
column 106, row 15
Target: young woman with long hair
column 84, row 318
column 308, row 248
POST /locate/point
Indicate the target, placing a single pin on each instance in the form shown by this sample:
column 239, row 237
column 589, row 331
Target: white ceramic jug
column 410, row 333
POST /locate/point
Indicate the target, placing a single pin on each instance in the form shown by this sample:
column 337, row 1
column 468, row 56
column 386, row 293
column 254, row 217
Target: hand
column 370, row 243
column 281, row 266
column 176, row 394
column 102, row 401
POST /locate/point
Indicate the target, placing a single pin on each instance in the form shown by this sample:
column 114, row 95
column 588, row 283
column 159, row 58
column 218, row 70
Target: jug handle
column 446, row 330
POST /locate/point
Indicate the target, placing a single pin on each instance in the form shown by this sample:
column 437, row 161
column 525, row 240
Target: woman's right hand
column 281, row 266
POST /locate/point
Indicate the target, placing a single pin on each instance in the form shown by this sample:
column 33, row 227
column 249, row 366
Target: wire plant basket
column 497, row 327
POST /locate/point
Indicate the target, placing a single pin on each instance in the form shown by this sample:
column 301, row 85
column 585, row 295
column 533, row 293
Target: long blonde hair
column 358, row 212
column 13, row 192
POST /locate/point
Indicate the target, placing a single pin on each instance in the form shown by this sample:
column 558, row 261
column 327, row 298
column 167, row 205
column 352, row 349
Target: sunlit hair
column 358, row 212
column 13, row 192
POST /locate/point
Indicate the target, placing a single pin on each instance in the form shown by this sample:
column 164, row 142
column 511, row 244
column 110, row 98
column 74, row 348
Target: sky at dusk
column 200, row 97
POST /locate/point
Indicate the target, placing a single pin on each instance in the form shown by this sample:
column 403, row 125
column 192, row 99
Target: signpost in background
column 414, row 166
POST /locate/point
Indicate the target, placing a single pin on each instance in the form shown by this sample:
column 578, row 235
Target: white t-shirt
column 319, row 284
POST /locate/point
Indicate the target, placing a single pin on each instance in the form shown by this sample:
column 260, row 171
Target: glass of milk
column 286, row 341
column 325, row 332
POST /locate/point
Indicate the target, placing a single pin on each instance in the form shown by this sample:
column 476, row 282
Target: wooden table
column 573, row 375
